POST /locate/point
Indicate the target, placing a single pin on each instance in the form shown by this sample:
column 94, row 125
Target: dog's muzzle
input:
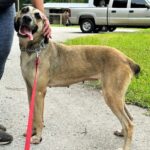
column 27, row 28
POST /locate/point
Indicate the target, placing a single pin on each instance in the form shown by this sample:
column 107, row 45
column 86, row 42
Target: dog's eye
column 25, row 10
column 37, row 15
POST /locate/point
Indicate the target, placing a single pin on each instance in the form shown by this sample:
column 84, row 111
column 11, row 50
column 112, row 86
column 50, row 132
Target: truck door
column 118, row 12
column 139, row 13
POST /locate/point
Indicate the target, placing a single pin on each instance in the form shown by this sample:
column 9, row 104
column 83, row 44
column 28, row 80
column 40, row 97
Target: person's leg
column 6, row 38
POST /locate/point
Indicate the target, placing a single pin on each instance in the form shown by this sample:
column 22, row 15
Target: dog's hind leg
column 121, row 133
column 114, row 90
column 128, row 113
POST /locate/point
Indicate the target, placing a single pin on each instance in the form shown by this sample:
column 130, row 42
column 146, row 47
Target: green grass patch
column 136, row 46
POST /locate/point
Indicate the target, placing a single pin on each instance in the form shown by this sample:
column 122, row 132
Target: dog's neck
column 32, row 46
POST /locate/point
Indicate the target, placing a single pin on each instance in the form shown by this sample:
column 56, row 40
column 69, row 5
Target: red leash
column 31, row 110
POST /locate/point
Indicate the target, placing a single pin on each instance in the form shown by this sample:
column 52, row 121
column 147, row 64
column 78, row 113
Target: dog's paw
column 119, row 133
column 35, row 139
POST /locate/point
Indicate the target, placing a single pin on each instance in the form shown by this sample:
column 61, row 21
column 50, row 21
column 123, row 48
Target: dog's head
column 29, row 23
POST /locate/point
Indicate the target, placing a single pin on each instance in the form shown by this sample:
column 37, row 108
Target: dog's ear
column 46, row 40
column 16, row 24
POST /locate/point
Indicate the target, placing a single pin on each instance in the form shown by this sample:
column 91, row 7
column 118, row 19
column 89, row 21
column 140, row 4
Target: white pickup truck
column 109, row 14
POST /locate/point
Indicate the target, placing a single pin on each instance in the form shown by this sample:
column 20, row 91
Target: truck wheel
column 111, row 29
column 87, row 26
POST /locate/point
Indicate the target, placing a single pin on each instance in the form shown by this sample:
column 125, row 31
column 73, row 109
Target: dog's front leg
column 38, row 116
column 29, row 92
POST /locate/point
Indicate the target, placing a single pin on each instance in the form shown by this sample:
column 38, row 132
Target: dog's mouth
column 26, row 31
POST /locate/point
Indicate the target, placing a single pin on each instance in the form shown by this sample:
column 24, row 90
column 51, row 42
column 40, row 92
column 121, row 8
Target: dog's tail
column 134, row 67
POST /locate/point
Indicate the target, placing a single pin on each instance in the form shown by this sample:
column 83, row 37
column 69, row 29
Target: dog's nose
column 26, row 19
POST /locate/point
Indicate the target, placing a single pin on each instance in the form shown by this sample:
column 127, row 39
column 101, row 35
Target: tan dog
column 62, row 65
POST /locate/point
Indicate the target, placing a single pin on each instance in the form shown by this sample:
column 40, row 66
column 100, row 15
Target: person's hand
column 46, row 29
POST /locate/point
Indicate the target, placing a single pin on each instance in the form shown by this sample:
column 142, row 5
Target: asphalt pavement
column 76, row 118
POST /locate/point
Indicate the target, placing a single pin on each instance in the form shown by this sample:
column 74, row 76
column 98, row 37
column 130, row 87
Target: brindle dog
column 62, row 65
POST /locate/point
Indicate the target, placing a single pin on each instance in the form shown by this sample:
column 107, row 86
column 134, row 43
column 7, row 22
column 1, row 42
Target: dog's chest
column 27, row 63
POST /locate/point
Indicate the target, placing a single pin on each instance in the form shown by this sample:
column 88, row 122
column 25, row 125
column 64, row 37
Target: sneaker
column 5, row 138
column 2, row 128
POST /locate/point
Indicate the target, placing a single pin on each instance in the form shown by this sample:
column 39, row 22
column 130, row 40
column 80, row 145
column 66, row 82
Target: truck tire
column 111, row 29
column 100, row 29
column 87, row 26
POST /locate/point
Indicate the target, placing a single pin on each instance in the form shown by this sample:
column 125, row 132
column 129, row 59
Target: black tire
column 97, row 29
column 87, row 26
column 111, row 29
column 100, row 29
column 104, row 29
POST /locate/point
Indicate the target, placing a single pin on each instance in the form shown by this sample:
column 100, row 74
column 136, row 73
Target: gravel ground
column 76, row 118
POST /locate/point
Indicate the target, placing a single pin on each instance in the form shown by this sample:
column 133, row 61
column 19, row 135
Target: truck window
column 138, row 4
column 101, row 3
column 120, row 4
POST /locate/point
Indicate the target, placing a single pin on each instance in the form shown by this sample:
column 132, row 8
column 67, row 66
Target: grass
column 135, row 45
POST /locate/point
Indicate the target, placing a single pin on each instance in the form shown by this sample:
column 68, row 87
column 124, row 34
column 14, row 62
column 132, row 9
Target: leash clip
column 38, row 50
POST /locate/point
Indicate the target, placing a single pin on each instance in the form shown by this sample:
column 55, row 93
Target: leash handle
column 31, row 108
